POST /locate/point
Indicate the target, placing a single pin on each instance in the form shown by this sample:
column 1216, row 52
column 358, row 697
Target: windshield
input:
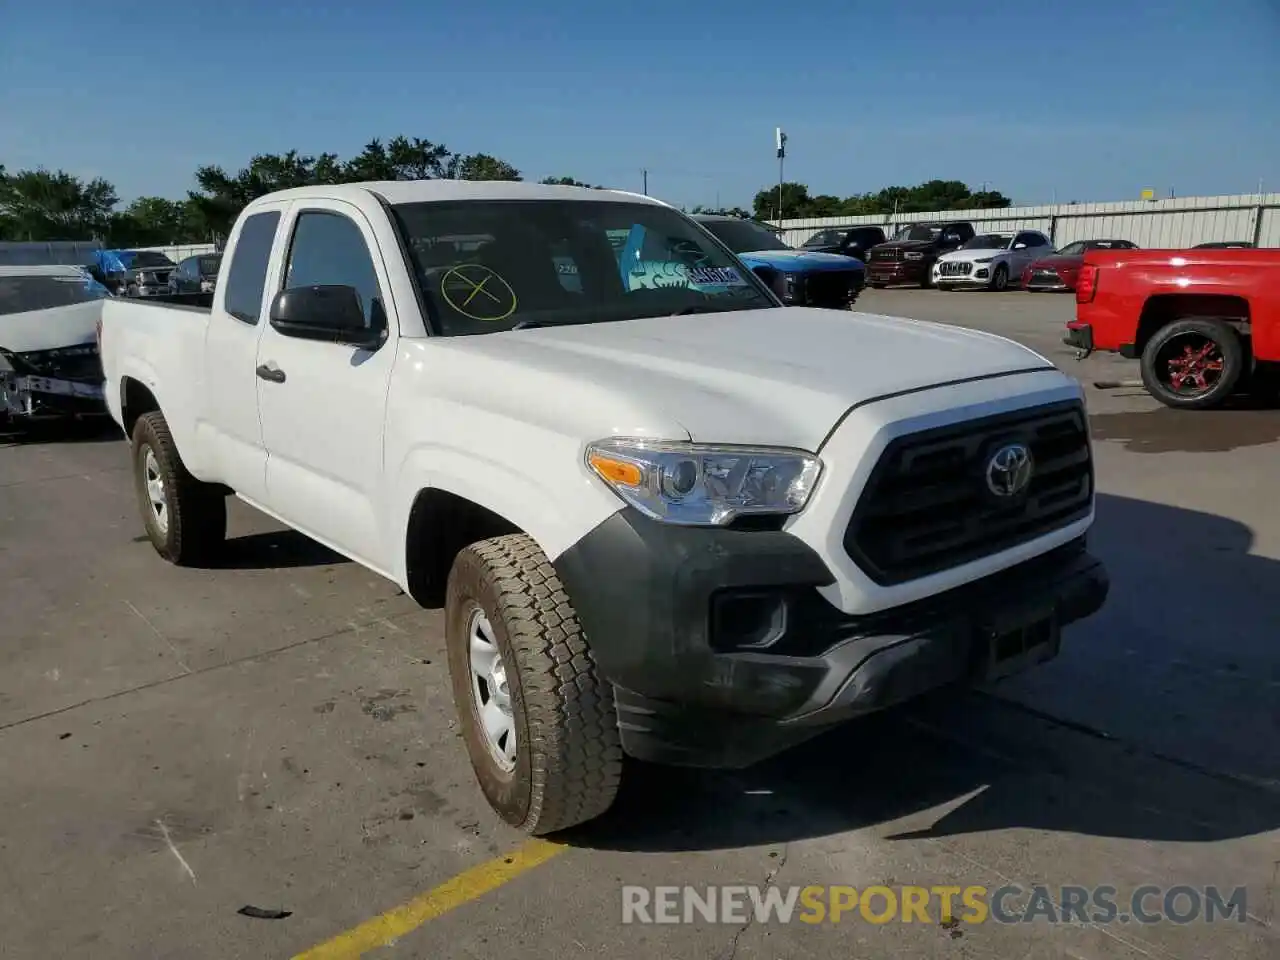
column 744, row 236
column 1072, row 249
column 209, row 266
column 23, row 294
column 490, row 265
column 988, row 241
column 148, row 258
column 823, row 238
column 918, row 231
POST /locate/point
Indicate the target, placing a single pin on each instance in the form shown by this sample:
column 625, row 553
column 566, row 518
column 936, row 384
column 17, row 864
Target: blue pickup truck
column 800, row 277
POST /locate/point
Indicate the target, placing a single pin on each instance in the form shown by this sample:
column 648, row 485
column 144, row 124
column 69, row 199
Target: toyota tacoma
column 667, row 520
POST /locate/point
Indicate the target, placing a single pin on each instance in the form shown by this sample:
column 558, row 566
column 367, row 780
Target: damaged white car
column 49, row 362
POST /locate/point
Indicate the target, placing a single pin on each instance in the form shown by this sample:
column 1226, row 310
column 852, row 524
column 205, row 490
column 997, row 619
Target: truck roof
column 423, row 191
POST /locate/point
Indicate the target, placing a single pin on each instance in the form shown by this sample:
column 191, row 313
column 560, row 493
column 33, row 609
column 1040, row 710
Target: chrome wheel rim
column 490, row 693
column 155, row 492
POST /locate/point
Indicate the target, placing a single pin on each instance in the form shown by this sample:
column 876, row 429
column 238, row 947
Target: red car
column 1058, row 271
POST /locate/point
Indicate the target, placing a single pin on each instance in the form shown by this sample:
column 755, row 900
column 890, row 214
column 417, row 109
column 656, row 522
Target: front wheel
column 538, row 719
column 1000, row 279
column 1193, row 364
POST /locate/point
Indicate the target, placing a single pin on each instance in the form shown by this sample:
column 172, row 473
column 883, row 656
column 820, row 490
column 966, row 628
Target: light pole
column 781, row 140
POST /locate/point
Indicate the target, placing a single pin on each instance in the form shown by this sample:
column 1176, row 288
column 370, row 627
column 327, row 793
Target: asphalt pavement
column 261, row 760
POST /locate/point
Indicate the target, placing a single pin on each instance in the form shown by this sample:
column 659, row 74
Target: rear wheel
column 1193, row 364
column 185, row 520
column 538, row 719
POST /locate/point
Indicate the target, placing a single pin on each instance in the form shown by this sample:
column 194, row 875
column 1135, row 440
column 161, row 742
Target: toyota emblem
column 1009, row 470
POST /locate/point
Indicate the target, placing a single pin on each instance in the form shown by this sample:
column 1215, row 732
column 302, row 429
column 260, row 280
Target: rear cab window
column 247, row 275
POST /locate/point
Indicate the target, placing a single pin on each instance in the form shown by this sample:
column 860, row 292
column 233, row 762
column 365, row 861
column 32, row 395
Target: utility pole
column 781, row 140
column 644, row 174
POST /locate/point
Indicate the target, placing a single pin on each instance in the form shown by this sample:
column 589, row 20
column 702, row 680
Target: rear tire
column 1193, row 364
column 185, row 520
column 518, row 657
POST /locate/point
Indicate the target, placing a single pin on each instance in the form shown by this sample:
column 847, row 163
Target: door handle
column 271, row 374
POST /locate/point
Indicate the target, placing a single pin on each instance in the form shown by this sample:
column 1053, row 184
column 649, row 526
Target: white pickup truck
column 667, row 517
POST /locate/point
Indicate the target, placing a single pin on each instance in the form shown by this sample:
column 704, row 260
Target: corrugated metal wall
column 1168, row 224
column 182, row 251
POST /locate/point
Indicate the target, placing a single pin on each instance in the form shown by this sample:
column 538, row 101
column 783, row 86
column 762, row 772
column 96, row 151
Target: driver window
column 327, row 249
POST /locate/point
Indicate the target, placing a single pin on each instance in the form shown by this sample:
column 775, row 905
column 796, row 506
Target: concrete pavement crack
column 353, row 630
column 769, row 878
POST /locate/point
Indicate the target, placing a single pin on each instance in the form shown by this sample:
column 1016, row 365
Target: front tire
column 1000, row 279
column 1193, row 364
column 185, row 520
column 538, row 719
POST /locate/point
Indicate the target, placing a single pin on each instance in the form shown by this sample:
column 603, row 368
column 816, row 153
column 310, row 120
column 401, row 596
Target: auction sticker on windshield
column 716, row 277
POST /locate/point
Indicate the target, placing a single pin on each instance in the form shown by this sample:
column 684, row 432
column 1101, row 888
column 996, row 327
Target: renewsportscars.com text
column 1180, row 904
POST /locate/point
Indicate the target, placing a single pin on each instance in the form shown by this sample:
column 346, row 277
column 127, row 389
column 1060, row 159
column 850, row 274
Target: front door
column 323, row 404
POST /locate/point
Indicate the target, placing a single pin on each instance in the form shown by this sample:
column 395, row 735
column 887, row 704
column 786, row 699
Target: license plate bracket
column 1014, row 641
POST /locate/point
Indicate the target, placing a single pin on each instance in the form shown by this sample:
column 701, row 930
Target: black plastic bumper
column 722, row 652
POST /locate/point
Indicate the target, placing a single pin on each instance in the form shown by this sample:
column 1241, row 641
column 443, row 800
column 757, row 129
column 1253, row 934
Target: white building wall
column 1168, row 224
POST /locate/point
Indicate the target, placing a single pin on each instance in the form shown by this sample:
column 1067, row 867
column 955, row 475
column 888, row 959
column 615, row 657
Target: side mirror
column 330, row 313
column 1019, row 246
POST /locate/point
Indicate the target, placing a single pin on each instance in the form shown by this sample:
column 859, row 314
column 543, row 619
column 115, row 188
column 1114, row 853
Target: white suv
column 991, row 260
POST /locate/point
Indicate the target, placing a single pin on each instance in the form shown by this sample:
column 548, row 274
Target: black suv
column 850, row 241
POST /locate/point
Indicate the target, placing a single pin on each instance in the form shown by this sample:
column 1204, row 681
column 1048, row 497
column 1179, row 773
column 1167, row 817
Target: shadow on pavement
column 1088, row 752
column 88, row 430
column 276, row 550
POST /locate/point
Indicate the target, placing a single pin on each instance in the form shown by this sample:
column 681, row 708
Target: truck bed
column 157, row 345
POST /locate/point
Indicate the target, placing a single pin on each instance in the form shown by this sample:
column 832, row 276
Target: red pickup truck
column 1205, row 324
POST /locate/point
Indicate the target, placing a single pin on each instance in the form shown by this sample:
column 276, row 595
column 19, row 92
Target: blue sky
column 1080, row 99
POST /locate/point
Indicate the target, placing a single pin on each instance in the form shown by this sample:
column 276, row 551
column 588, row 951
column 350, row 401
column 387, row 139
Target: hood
column 1059, row 263
column 972, row 253
column 50, row 329
column 906, row 245
column 780, row 376
column 800, row 260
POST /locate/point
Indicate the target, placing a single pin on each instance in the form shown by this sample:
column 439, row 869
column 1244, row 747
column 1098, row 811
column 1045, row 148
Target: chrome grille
column 955, row 268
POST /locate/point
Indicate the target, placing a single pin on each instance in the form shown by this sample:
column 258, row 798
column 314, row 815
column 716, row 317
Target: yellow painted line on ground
column 465, row 887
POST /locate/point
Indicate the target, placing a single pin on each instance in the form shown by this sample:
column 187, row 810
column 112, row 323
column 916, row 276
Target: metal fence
column 1172, row 224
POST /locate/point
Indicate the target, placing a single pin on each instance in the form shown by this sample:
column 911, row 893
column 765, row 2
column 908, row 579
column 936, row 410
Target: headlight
column 983, row 259
column 696, row 484
column 913, row 255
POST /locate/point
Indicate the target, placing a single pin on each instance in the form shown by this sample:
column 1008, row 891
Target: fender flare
column 556, row 512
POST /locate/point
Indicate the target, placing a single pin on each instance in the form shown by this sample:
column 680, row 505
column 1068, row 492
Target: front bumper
column 979, row 275
column 34, row 396
column 722, row 652
column 897, row 271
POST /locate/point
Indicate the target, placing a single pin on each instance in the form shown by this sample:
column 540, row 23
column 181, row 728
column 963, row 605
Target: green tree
column 481, row 166
column 54, row 205
column 795, row 202
column 925, row 197
column 567, row 182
